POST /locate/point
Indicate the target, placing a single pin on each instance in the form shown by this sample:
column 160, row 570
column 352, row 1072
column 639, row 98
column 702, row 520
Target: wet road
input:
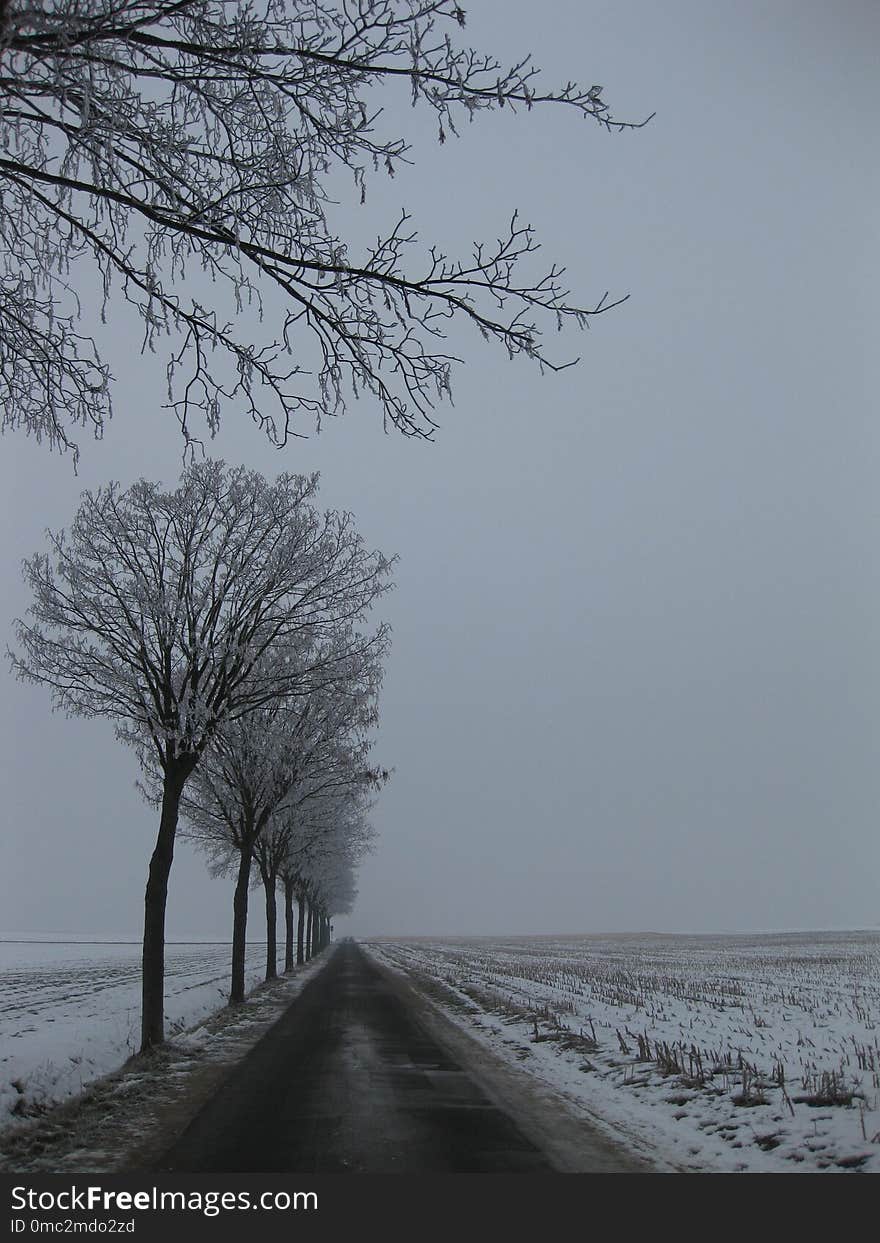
column 348, row 1080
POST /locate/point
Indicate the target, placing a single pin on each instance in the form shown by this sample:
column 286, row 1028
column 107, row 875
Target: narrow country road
column 348, row 1080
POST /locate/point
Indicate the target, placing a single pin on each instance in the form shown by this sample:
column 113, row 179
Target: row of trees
column 285, row 790
column 222, row 627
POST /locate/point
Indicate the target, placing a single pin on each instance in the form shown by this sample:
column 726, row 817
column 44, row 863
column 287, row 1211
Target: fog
column 634, row 679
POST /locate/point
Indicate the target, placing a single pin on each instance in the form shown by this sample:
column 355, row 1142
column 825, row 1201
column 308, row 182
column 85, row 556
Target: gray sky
column 635, row 675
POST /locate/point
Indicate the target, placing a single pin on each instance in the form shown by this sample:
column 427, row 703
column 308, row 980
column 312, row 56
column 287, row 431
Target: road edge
column 570, row 1138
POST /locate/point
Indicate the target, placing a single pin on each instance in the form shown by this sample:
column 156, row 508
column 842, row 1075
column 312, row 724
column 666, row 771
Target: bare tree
column 276, row 759
column 333, row 889
column 158, row 610
column 329, row 825
column 147, row 136
column 328, row 838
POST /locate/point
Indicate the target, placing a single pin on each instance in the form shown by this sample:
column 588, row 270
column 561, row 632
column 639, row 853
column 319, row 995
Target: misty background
column 634, row 679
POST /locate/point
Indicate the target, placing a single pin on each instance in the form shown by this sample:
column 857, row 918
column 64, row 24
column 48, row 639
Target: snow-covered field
column 732, row 1053
column 70, row 1012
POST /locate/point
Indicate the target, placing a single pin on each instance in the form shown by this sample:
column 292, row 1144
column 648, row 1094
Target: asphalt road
column 349, row 1080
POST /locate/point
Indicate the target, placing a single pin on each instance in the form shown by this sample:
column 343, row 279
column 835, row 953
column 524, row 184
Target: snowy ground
column 125, row 1121
column 70, row 1012
column 737, row 1053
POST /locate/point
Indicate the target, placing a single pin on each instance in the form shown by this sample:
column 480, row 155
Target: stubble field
column 741, row 1052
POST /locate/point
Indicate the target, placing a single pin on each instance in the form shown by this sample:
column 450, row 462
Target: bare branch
column 147, row 139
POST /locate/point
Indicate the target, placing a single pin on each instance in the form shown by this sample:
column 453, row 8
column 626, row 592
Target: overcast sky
column 635, row 680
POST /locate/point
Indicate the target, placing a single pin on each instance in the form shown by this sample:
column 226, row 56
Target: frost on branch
column 178, row 613
column 290, row 776
column 145, row 139
column 160, row 609
column 292, row 752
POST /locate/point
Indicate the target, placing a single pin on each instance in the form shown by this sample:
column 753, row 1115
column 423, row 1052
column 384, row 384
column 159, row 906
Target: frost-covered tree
column 334, row 891
column 274, row 760
column 330, row 824
column 147, row 138
column 339, row 891
column 158, row 609
column 329, row 837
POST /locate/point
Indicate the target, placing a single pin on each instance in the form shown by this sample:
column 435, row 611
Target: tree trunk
column 155, row 899
column 239, row 925
column 301, row 931
column 288, row 925
column 271, row 927
column 309, row 933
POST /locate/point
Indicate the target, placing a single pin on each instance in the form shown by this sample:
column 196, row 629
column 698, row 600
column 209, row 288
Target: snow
column 126, row 1120
column 748, row 1052
column 70, row 1011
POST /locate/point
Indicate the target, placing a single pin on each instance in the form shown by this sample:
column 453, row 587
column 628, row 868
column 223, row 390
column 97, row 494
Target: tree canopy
column 146, row 138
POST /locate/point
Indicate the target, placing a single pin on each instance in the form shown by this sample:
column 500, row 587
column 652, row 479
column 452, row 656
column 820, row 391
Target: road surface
column 349, row 1080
